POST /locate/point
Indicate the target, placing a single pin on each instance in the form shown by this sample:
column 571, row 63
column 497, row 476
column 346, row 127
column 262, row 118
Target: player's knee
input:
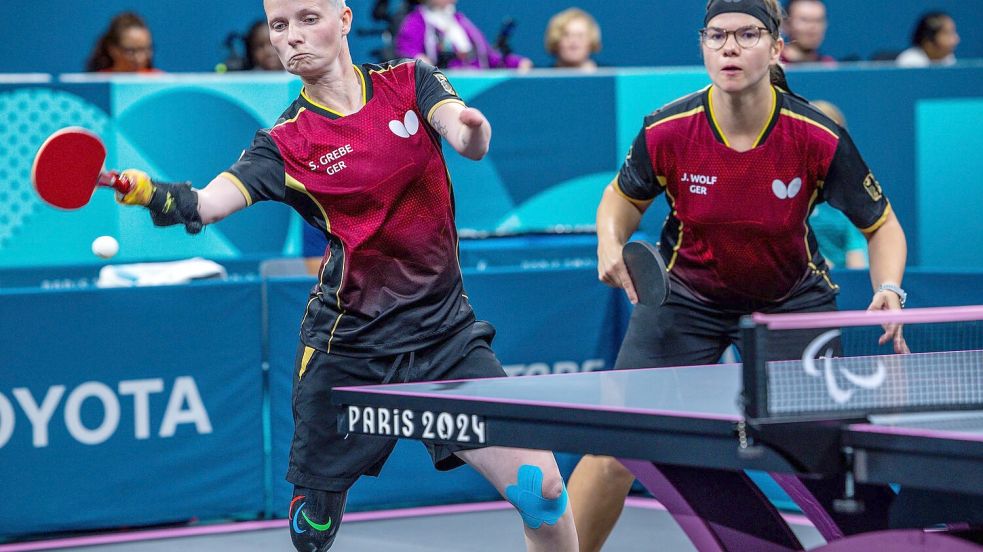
column 553, row 486
column 539, row 499
column 614, row 471
column 315, row 517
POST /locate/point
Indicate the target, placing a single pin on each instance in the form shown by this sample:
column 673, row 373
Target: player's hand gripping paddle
column 648, row 272
column 69, row 167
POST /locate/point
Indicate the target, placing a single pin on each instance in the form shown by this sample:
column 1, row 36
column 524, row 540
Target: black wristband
column 172, row 204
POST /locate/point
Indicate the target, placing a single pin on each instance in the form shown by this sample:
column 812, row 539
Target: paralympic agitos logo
column 837, row 393
column 319, row 527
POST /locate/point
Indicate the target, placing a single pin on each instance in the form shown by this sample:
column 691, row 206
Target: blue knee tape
column 527, row 497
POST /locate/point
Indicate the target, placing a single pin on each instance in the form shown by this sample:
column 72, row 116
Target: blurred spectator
column 933, row 42
column 805, row 27
column 439, row 34
column 125, row 47
column 842, row 245
column 260, row 54
column 572, row 36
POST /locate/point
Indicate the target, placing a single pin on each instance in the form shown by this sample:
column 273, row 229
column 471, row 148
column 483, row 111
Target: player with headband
column 741, row 163
column 358, row 155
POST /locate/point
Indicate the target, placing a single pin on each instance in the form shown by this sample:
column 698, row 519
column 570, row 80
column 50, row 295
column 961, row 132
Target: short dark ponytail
column 777, row 76
column 928, row 27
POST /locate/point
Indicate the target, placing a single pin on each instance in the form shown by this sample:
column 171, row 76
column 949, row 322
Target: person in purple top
column 439, row 34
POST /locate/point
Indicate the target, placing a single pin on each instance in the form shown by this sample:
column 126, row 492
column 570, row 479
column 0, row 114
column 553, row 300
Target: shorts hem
column 330, row 484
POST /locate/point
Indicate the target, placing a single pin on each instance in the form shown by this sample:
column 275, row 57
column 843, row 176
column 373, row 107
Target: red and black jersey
column 376, row 183
column 737, row 236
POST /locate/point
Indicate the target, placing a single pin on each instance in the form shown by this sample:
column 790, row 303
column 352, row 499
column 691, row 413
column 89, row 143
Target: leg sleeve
column 315, row 517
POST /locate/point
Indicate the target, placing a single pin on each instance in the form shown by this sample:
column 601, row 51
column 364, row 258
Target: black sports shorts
column 685, row 332
column 320, row 457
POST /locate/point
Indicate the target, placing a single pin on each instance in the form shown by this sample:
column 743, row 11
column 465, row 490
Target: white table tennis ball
column 105, row 246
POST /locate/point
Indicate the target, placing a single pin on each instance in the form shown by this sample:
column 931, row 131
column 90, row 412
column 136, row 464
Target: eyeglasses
column 133, row 52
column 746, row 37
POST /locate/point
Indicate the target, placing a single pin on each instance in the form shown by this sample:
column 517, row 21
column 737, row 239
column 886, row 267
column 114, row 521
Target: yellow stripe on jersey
column 303, row 92
column 682, row 115
column 297, row 185
column 365, row 92
column 817, row 124
column 812, row 266
column 679, row 238
column 639, row 202
column 774, row 105
column 440, row 103
column 880, row 222
column 757, row 141
column 242, row 188
column 387, row 69
column 365, row 89
column 295, row 117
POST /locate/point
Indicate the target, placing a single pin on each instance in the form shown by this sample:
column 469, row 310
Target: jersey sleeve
column 259, row 172
column 852, row 188
column 433, row 89
column 636, row 179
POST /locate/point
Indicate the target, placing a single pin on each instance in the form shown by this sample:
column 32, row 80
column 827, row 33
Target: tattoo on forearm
column 440, row 128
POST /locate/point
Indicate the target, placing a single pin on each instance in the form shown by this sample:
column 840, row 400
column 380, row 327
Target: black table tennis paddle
column 648, row 272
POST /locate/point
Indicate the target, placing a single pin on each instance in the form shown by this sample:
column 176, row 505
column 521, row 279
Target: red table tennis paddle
column 69, row 167
column 648, row 272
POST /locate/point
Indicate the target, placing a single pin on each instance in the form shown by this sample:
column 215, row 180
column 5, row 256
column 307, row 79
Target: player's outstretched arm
column 171, row 204
column 617, row 220
column 888, row 254
column 219, row 199
column 465, row 128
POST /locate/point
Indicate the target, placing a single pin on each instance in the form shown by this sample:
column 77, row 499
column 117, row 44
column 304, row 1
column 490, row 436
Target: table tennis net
column 843, row 371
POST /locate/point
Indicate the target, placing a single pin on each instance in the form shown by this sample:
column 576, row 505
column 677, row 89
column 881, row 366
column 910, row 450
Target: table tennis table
column 686, row 435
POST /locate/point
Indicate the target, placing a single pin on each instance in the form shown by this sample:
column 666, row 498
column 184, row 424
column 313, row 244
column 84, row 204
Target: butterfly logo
column 786, row 192
column 409, row 126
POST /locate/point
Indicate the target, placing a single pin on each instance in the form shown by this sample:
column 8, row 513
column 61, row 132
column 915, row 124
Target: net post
column 754, row 394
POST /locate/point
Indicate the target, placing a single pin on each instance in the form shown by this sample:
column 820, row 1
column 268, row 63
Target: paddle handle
column 116, row 181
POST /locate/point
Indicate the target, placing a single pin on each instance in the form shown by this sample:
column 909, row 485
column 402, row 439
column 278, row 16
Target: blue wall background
column 55, row 36
column 552, row 155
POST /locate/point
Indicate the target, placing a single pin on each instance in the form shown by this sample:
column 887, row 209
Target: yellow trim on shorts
column 305, row 360
column 242, row 188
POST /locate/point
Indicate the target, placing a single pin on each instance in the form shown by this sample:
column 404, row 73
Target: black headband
column 754, row 8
